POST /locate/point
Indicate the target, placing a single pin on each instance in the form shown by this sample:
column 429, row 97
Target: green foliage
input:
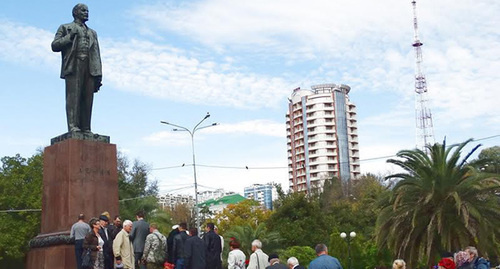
column 20, row 188
column 245, row 212
column 439, row 203
column 299, row 221
column 135, row 191
column 304, row 254
column 245, row 234
column 489, row 160
column 364, row 251
column 163, row 219
column 354, row 208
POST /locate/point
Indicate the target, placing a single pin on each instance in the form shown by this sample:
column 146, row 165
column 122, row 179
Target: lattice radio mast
column 423, row 115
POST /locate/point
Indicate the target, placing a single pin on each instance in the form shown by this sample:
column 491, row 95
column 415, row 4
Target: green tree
column 163, row 219
column 489, row 160
column 439, row 203
column 245, row 212
column 299, row 220
column 182, row 212
column 304, row 254
column 20, row 188
column 135, row 190
column 356, row 212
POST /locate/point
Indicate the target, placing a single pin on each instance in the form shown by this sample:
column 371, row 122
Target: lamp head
column 352, row 234
column 343, row 235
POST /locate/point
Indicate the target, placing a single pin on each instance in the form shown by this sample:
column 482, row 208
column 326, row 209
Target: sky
column 239, row 60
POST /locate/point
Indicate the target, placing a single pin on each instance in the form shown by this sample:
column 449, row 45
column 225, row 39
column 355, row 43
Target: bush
column 304, row 254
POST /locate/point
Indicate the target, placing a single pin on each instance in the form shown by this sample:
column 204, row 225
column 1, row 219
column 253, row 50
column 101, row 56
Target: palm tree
column 245, row 234
column 439, row 203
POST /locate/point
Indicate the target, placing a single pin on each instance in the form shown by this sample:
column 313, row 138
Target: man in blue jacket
column 476, row 262
column 324, row 261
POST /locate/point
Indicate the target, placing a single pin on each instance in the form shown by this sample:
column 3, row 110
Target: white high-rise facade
column 322, row 137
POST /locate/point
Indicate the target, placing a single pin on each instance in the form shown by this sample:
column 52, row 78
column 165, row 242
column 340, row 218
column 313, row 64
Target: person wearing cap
column 170, row 244
column 78, row 231
column 274, row 262
column 106, row 236
column 122, row 247
column 95, row 243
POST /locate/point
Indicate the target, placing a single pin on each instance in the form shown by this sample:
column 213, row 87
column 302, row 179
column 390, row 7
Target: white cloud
column 155, row 70
column 168, row 138
column 300, row 27
column 26, row 45
column 258, row 127
column 253, row 127
column 363, row 44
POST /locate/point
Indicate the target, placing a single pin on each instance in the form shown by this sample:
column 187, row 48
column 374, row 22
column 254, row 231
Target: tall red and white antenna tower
column 423, row 115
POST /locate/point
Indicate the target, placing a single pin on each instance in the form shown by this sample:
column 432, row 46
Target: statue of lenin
column 81, row 68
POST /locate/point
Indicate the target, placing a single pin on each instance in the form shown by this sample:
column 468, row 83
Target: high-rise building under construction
column 322, row 137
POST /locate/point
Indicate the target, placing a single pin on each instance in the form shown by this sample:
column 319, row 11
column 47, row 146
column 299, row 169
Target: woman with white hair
column 258, row 259
column 399, row 264
column 122, row 247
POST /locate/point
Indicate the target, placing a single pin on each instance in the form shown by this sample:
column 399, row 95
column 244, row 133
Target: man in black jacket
column 213, row 247
column 194, row 249
column 274, row 262
column 170, row 243
column 108, row 243
column 178, row 246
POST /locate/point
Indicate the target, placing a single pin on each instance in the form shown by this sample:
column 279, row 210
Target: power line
column 286, row 167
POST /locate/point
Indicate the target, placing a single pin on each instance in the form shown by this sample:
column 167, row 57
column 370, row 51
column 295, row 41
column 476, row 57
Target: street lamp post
column 192, row 132
column 348, row 239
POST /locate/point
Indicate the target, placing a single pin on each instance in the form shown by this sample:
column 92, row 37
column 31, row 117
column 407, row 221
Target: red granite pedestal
column 79, row 176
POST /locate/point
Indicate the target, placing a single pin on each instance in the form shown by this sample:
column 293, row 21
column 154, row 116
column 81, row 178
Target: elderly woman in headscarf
column 462, row 259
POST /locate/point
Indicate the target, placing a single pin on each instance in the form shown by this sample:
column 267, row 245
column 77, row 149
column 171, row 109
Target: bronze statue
column 81, row 68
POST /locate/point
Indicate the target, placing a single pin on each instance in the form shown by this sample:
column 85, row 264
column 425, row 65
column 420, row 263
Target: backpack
column 160, row 253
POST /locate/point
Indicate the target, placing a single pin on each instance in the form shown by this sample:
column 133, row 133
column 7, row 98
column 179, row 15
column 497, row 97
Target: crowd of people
column 463, row 259
column 139, row 245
